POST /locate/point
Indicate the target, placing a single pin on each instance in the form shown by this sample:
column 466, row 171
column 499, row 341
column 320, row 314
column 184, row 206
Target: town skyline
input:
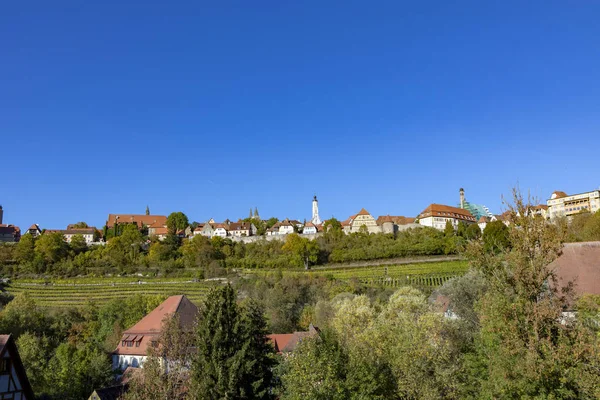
column 232, row 216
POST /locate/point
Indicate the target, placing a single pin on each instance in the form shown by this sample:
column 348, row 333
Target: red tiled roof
column 398, row 220
column 440, row 210
column 287, row 342
column 363, row 212
column 559, row 194
column 484, row 219
column 148, row 328
column 138, row 219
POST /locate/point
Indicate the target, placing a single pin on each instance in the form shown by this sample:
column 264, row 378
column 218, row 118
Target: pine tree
column 234, row 358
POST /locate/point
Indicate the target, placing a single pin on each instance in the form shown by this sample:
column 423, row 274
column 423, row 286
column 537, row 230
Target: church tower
column 315, row 212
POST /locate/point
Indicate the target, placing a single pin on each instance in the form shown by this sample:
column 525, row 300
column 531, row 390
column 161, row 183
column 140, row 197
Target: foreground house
column 135, row 341
column 285, row 343
column 14, row 384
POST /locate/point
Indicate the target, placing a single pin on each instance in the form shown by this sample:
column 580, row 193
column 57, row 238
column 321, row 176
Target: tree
column 165, row 372
column 80, row 225
column 304, row 251
column 51, row 246
column 449, row 229
column 232, row 359
column 496, row 237
column 25, row 249
column 461, row 230
column 35, row 351
column 333, row 225
column 525, row 348
column 473, row 232
column 78, row 244
column 177, row 221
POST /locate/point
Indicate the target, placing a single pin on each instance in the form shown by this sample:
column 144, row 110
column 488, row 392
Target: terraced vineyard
column 73, row 294
column 426, row 274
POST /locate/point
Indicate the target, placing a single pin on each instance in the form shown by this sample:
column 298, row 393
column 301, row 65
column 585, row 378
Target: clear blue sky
column 211, row 108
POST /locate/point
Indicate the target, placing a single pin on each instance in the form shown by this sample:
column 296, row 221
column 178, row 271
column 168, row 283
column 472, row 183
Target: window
column 5, row 366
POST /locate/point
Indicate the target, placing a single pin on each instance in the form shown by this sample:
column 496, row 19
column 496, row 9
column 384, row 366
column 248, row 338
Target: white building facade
column 561, row 204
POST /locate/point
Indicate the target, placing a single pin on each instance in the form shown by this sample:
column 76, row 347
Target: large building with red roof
column 437, row 215
column 132, row 349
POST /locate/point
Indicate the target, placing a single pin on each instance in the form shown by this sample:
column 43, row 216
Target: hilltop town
column 437, row 216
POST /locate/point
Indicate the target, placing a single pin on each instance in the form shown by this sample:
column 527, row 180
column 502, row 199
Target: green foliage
column 233, row 358
column 304, row 251
column 25, row 249
column 80, row 225
column 473, row 232
column 177, row 221
column 495, row 237
column 51, row 247
column 332, row 225
column 449, row 229
column 78, row 244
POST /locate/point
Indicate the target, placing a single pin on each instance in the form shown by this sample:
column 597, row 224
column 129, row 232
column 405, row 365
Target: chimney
column 462, row 198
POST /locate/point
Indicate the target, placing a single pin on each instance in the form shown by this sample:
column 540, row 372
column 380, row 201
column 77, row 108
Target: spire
column 147, row 210
column 315, row 211
column 256, row 213
column 250, row 215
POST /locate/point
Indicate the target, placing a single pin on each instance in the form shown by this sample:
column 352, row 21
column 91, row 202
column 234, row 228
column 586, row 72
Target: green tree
column 23, row 315
column 80, row 225
column 525, row 348
column 473, row 232
column 78, row 244
column 449, row 229
column 25, row 249
column 495, row 237
column 304, row 251
column 333, row 225
column 177, row 221
column 35, row 352
column 318, row 370
column 52, row 247
column 462, row 229
column 232, row 359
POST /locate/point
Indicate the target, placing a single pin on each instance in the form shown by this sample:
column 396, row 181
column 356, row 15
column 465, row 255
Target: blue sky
column 213, row 108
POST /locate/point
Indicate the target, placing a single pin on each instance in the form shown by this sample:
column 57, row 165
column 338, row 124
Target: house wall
column 366, row 220
column 122, row 361
column 11, row 383
column 571, row 205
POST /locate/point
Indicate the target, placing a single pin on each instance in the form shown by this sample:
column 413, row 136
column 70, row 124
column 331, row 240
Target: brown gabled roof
column 484, row 219
column 540, row 207
column 138, row 219
column 147, row 330
column 363, row 212
column 559, row 194
column 579, row 263
column 440, row 210
column 34, row 227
